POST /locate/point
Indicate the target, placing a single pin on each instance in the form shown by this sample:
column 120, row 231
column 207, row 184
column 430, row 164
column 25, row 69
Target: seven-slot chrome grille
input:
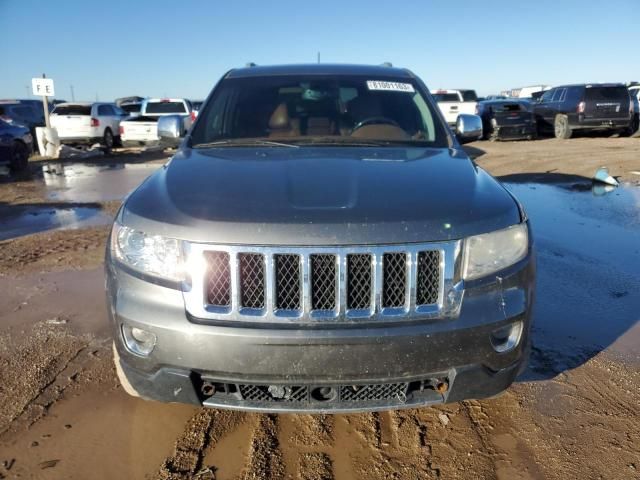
column 309, row 284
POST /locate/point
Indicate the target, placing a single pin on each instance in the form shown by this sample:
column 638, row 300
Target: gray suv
column 320, row 243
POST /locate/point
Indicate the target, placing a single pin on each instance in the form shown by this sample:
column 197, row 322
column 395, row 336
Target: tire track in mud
column 39, row 372
column 306, row 443
column 206, row 427
column 265, row 457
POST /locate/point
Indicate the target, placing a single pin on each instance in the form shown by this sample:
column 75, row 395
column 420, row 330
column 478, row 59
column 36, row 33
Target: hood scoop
column 327, row 185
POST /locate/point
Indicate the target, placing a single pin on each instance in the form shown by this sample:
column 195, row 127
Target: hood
column 320, row 196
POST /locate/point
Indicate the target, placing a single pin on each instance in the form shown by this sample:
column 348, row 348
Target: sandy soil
column 579, row 156
column 64, row 415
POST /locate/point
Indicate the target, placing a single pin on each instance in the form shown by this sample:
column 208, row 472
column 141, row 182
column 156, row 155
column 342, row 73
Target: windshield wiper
column 243, row 142
column 340, row 141
column 356, row 142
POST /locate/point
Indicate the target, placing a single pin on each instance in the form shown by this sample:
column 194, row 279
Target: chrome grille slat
column 288, row 291
column 323, row 284
column 428, row 286
column 218, row 291
column 323, row 281
column 252, row 280
column 359, row 281
column 394, row 280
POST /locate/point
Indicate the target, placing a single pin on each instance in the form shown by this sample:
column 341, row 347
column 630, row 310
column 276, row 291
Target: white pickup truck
column 143, row 129
column 454, row 102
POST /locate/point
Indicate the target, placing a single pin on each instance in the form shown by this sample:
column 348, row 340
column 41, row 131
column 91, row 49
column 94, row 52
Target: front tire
column 19, row 157
column 561, row 127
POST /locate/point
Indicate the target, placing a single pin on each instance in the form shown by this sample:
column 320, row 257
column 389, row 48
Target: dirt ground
column 575, row 413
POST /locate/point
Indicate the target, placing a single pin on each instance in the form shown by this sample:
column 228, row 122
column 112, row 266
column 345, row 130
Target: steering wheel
column 375, row 121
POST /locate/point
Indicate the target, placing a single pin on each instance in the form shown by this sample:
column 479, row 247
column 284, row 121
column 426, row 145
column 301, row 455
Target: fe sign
column 42, row 87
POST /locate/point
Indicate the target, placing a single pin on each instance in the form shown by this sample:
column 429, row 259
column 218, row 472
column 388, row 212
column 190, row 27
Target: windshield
column 509, row 107
column 322, row 110
column 131, row 108
column 469, row 95
column 446, row 97
column 72, row 110
column 165, row 106
column 606, row 93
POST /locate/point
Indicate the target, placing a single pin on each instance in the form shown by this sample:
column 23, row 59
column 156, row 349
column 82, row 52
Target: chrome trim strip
column 449, row 296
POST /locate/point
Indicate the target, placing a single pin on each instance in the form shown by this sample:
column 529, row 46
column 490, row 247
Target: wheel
column 122, row 377
column 19, row 156
column 632, row 128
column 107, row 139
column 561, row 127
column 635, row 126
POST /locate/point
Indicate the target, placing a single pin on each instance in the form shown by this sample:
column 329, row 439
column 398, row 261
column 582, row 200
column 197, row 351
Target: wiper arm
column 341, row 141
column 243, row 142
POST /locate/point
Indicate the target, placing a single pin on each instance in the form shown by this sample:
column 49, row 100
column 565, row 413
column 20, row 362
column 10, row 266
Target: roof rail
column 386, row 64
column 250, row 64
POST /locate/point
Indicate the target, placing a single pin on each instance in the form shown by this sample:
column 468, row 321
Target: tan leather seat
column 320, row 126
column 280, row 125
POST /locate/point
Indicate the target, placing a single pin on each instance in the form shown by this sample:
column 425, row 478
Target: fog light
column 138, row 341
column 506, row 338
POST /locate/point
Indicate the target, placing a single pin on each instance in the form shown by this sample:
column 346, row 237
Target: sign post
column 43, row 87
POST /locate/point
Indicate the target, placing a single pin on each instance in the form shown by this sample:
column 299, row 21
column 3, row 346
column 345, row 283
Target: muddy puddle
column 573, row 414
column 17, row 221
column 588, row 245
column 80, row 182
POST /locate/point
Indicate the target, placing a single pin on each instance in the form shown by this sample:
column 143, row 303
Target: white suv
column 88, row 122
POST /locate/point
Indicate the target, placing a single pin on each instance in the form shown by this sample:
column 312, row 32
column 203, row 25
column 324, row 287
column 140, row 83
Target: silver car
column 321, row 243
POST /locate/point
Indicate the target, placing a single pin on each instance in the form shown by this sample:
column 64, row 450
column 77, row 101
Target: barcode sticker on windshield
column 391, row 86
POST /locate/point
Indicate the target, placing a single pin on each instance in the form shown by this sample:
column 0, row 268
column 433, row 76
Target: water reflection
column 79, row 182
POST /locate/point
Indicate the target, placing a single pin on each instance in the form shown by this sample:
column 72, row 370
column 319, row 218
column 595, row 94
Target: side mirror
column 170, row 130
column 468, row 127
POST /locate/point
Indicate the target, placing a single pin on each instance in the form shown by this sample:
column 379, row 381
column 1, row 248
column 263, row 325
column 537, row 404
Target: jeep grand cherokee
column 321, row 243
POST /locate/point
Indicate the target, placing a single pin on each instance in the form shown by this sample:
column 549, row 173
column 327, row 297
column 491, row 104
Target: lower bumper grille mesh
column 260, row 393
column 302, row 393
column 385, row 391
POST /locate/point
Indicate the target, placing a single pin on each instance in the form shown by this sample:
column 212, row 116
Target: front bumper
column 416, row 355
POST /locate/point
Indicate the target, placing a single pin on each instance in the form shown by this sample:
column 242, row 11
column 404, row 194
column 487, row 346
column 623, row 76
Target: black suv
column 568, row 108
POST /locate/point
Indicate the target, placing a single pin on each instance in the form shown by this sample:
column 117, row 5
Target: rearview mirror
column 170, row 130
column 468, row 127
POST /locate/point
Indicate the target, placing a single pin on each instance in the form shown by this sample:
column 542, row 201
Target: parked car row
column 89, row 123
column 16, row 144
column 128, row 119
column 28, row 113
column 142, row 129
column 559, row 111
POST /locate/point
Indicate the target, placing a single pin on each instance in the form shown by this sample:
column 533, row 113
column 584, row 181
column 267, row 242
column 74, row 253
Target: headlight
column 150, row 254
column 490, row 252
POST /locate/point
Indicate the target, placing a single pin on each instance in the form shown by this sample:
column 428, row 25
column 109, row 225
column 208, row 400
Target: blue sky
column 181, row 48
